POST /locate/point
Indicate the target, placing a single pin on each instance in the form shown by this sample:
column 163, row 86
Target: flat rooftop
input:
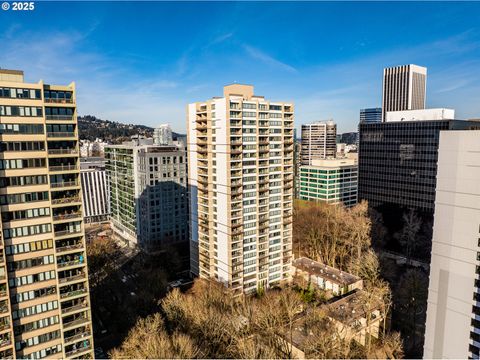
column 319, row 269
column 351, row 307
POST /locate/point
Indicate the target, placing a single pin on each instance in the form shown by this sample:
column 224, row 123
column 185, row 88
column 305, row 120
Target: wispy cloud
column 221, row 38
column 268, row 60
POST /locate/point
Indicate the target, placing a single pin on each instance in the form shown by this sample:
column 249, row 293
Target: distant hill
column 91, row 127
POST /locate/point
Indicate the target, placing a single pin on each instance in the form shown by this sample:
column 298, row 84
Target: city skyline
column 162, row 70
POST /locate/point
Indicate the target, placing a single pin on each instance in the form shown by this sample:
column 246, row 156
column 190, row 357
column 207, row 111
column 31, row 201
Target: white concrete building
column 319, row 141
column 453, row 314
column 421, row 115
column 148, row 194
column 92, row 148
column 240, row 175
column 404, row 88
column 162, row 135
column 96, row 194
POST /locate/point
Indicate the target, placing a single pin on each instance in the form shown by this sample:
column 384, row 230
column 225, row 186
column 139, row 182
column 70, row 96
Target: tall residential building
column 44, row 292
column 240, row 149
column 332, row 181
column 148, row 193
column 319, row 141
column 95, row 190
column 453, row 311
column 297, row 161
column 404, row 88
column 398, row 161
column 162, row 135
column 372, row 115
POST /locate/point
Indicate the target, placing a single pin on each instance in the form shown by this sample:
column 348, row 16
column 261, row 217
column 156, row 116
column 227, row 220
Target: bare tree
column 149, row 340
column 409, row 234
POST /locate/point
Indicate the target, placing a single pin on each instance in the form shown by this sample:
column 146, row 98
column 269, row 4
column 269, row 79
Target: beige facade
column 45, row 304
column 240, row 165
column 319, row 141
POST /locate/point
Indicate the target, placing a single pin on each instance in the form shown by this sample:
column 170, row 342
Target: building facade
column 333, row 181
column 371, row 115
column 453, row 311
column 319, row 141
column 241, row 188
column 148, row 193
column 162, row 135
column 404, row 88
column 95, row 190
column 44, row 291
column 398, row 161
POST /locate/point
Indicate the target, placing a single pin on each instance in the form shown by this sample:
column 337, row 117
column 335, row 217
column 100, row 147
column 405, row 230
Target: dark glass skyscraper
column 372, row 115
column 398, row 161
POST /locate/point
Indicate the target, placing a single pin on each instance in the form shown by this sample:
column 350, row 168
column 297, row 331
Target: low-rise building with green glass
column 333, row 181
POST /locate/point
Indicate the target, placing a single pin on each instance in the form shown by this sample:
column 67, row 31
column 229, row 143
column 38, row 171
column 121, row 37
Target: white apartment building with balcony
column 240, row 175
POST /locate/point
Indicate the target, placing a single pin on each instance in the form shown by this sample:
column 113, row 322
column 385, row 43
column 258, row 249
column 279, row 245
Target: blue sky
column 142, row 62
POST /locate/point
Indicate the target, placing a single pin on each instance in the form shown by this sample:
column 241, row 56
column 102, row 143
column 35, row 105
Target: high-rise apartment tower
column 44, row 292
column 453, row 311
column 240, row 149
column 404, row 88
column 319, row 141
column 148, row 193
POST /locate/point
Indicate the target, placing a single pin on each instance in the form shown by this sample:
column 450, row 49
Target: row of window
column 25, row 214
column 34, row 111
column 33, row 294
column 17, row 93
column 29, row 263
column 58, row 111
column 19, row 345
column 23, row 197
column 30, row 279
column 22, row 146
column 40, row 354
column 35, row 325
column 23, row 129
column 33, row 310
column 22, row 163
column 26, row 231
column 29, row 247
column 263, row 107
column 23, row 180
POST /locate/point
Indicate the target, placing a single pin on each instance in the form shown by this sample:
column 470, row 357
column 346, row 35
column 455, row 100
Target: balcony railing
column 67, row 216
column 77, row 336
column 69, row 247
column 73, row 293
column 63, row 184
column 63, row 151
column 67, row 232
column 80, row 321
column 58, row 101
column 71, row 278
column 62, row 167
column 61, row 134
column 5, row 342
column 74, row 308
column 66, row 200
column 60, row 117
column 78, row 350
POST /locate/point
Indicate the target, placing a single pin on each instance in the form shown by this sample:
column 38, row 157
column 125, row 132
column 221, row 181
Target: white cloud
column 267, row 59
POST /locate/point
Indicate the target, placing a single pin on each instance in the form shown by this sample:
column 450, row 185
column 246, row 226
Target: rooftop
column 352, row 307
column 316, row 268
column 332, row 163
column 11, row 75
